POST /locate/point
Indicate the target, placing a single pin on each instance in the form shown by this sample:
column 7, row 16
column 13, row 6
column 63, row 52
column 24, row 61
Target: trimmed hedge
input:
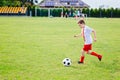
column 102, row 12
column 90, row 12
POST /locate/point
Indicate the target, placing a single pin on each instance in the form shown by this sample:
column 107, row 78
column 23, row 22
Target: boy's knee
column 82, row 52
column 89, row 52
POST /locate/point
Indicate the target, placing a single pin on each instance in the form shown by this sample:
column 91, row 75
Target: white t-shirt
column 87, row 35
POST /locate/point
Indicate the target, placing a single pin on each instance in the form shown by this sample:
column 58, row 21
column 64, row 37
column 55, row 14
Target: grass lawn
column 32, row 48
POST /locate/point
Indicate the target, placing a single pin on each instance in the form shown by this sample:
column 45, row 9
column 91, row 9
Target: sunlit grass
column 33, row 49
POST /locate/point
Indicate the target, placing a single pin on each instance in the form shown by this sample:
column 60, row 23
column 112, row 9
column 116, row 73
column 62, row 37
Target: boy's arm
column 79, row 35
column 94, row 33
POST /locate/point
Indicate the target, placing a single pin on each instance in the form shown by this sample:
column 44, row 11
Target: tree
column 3, row 2
column 111, row 13
column 15, row 2
column 108, row 13
column 96, row 12
column 116, row 12
column 91, row 13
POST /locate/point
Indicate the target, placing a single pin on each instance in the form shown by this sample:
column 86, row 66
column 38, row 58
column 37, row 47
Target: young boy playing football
column 86, row 34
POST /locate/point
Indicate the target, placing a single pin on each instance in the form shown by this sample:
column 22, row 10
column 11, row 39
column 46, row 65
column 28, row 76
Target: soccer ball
column 66, row 62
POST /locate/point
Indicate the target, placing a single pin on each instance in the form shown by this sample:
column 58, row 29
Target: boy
column 86, row 34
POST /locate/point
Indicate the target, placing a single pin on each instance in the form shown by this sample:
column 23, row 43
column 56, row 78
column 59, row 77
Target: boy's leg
column 85, row 49
column 82, row 57
column 94, row 53
column 97, row 55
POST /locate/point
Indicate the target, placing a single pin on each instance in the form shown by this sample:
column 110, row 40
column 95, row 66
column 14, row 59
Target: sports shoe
column 80, row 62
column 100, row 57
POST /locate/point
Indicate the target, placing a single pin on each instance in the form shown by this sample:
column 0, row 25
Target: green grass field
column 32, row 48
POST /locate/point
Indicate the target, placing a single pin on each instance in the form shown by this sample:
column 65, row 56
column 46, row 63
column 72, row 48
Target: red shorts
column 87, row 47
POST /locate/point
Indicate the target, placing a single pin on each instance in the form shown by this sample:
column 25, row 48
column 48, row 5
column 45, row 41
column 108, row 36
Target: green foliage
column 43, row 12
column 14, row 3
column 110, row 12
column 56, row 12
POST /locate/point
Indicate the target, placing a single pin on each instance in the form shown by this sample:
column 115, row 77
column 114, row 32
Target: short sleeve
column 89, row 29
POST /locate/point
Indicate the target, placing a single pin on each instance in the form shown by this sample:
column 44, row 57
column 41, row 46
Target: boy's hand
column 75, row 35
column 95, row 39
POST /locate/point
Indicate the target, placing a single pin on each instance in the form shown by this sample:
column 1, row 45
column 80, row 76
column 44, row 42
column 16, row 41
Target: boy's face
column 81, row 25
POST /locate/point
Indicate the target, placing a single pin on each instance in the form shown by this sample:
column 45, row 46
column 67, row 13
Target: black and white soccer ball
column 67, row 62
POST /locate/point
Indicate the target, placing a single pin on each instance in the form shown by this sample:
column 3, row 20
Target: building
column 63, row 3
